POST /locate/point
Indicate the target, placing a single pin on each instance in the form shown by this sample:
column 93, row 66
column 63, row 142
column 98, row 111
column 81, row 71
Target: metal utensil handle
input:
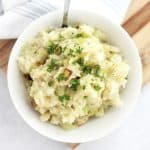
column 65, row 15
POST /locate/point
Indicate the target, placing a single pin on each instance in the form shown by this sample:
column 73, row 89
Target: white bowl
column 94, row 128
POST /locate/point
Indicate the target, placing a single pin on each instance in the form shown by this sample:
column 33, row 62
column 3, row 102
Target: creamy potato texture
column 73, row 74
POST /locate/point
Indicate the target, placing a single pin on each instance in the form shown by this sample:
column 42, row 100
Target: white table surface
column 15, row 134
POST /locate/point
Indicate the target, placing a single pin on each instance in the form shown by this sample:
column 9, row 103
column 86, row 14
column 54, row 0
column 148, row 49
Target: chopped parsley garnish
column 87, row 69
column 64, row 97
column 111, row 52
column 54, row 48
column 97, row 87
column 96, row 71
column 79, row 49
column 61, row 77
column 85, row 97
column 80, row 61
column 71, row 53
column 74, row 83
column 35, row 52
column 53, row 65
column 51, row 48
column 58, row 50
column 50, row 83
column 83, row 87
column 78, row 35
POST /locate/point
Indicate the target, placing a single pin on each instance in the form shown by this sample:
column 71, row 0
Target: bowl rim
column 64, row 139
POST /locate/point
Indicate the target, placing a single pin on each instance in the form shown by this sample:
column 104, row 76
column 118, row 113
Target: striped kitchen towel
column 16, row 15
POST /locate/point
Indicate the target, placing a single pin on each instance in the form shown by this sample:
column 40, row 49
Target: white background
column 112, row 9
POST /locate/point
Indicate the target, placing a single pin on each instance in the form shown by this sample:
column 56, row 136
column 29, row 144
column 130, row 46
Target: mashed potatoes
column 73, row 74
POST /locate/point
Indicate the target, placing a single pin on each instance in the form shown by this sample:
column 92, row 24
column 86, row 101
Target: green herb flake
column 61, row 77
column 78, row 35
column 74, row 83
column 50, row 83
column 64, row 97
column 51, row 48
column 58, row 50
column 85, row 97
column 111, row 52
column 54, row 49
column 35, row 52
column 80, row 61
column 56, row 92
column 53, row 65
column 72, row 52
column 96, row 71
column 79, row 49
column 83, row 87
column 97, row 87
column 87, row 69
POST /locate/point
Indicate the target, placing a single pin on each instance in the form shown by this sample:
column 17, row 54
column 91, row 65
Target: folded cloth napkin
column 16, row 15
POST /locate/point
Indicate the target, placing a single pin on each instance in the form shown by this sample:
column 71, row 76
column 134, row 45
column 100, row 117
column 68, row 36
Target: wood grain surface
column 138, row 20
column 136, row 23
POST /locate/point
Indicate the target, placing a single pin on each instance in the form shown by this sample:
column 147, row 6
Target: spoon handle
column 65, row 15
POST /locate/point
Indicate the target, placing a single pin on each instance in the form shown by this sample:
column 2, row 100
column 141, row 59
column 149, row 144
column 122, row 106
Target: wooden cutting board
column 136, row 23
